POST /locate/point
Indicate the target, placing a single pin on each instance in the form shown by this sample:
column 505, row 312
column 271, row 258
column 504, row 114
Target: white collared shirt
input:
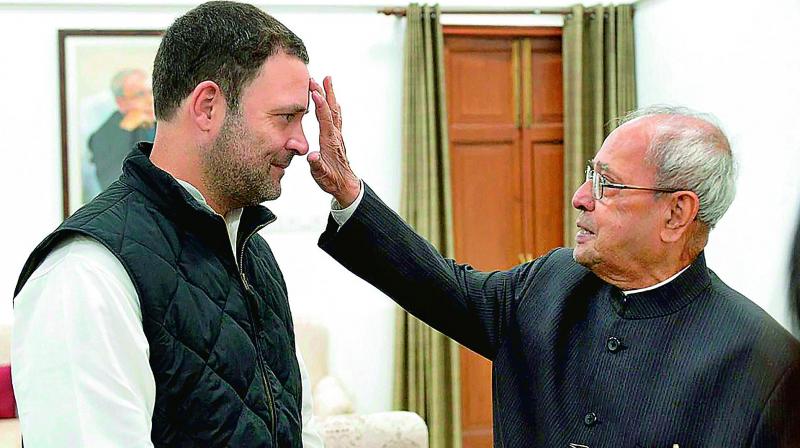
column 657, row 285
column 79, row 355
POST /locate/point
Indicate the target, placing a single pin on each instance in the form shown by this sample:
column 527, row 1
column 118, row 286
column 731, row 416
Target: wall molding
column 155, row 5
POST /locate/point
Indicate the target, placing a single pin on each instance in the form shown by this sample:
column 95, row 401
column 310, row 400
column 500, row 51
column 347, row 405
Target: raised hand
column 329, row 166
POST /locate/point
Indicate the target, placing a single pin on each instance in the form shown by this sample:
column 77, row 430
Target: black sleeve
column 472, row 307
column 779, row 425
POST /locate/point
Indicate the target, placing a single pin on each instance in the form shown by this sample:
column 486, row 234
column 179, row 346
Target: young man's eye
column 288, row 117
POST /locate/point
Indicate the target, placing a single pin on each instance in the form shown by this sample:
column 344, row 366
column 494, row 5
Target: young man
column 156, row 315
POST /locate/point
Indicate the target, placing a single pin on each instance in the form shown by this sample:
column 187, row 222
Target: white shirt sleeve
column 311, row 439
column 341, row 215
column 79, row 355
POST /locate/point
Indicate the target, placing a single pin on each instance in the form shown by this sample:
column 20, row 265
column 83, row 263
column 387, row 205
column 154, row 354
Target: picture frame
column 106, row 105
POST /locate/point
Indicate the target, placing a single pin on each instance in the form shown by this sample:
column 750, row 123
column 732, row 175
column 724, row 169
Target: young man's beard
column 232, row 175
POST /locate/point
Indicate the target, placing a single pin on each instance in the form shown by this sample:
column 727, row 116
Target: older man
column 132, row 122
column 156, row 315
column 629, row 340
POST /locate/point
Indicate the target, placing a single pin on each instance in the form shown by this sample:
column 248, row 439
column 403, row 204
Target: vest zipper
column 256, row 324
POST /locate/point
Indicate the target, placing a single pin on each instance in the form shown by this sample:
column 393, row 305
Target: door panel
column 479, row 81
column 547, row 94
column 505, row 123
column 548, row 221
column 487, row 186
column 487, row 209
column 542, row 140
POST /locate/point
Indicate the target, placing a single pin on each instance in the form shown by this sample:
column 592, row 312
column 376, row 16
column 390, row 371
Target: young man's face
column 256, row 143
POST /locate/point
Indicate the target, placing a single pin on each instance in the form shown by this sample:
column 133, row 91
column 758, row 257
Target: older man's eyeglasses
column 600, row 183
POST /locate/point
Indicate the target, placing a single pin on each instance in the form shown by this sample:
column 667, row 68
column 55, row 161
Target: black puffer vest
column 221, row 337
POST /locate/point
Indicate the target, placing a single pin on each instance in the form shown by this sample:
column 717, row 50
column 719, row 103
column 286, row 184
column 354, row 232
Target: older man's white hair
column 694, row 158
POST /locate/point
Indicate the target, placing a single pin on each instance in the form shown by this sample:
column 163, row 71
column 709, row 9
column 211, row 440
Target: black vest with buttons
column 221, row 337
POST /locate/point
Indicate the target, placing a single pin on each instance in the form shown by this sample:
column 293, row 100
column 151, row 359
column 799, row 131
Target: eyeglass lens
column 597, row 183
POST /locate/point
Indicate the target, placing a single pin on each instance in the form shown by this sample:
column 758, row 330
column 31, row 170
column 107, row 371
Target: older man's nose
column 582, row 199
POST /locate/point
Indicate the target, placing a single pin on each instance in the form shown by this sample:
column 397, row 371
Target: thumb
column 315, row 163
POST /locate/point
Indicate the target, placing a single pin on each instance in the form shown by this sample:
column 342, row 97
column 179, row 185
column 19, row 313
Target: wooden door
column 542, row 145
column 487, row 190
column 505, row 126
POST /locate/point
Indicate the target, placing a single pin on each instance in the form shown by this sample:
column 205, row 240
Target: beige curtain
column 599, row 88
column 427, row 369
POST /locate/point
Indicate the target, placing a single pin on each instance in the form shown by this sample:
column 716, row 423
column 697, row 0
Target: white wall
column 738, row 60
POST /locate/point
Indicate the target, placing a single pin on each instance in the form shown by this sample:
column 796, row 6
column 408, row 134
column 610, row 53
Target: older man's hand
column 329, row 166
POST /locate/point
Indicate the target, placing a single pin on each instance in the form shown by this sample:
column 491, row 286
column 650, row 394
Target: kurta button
column 590, row 419
column 613, row 344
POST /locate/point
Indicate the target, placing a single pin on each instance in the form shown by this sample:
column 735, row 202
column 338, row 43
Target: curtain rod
column 401, row 12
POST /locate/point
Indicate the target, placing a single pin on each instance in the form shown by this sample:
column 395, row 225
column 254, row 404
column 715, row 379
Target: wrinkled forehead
column 656, row 125
column 623, row 153
column 630, row 140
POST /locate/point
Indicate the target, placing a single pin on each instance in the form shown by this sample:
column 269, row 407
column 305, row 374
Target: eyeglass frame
column 599, row 187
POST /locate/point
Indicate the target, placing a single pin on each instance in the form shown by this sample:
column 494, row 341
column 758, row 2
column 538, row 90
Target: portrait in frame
column 106, row 105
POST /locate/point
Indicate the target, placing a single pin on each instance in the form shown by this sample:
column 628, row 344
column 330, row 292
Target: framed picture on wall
column 106, row 105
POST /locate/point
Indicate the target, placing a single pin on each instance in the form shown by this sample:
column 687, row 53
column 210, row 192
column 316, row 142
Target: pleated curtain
column 599, row 88
column 427, row 367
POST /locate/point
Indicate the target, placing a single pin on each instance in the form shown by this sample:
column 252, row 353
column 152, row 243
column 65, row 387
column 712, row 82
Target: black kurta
column 692, row 362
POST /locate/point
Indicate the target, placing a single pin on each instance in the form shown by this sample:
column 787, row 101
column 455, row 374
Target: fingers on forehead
column 328, row 83
column 323, row 110
column 330, row 96
column 319, row 101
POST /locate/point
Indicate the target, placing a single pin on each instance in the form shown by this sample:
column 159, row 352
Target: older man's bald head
column 690, row 152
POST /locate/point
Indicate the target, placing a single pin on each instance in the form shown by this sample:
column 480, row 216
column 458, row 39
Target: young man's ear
column 207, row 106
column 683, row 209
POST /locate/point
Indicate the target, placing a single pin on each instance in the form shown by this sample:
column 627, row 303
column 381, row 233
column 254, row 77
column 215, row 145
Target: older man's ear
column 680, row 215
